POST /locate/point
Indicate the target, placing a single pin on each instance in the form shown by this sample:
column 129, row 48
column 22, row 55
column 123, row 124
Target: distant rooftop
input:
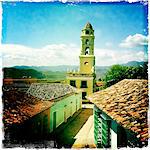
column 50, row 91
column 127, row 103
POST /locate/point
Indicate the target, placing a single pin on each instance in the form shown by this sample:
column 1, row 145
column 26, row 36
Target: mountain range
column 74, row 67
column 100, row 70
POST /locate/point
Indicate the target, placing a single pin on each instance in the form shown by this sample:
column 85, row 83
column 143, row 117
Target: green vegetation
column 45, row 76
column 22, row 73
column 109, row 74
column 56, row 75
column 117, row 73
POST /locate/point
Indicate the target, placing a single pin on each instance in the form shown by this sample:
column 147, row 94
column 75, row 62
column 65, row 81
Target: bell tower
column 87, row 58
column 84, row 78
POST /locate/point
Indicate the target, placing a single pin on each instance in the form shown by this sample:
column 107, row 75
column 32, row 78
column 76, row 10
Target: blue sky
column 54, row 29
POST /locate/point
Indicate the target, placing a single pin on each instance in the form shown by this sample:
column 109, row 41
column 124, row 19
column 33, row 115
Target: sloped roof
column 18, row 106
column 50, row 91
column 127, row 103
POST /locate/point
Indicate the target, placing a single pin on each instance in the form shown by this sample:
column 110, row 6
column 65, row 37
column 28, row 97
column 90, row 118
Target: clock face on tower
column 86, row 63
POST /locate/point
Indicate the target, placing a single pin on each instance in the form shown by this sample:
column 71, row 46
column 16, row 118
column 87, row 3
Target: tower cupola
column 87, row 58
column 87, row 39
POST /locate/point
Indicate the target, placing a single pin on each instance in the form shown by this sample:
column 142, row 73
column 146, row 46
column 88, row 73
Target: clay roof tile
column 128, row 101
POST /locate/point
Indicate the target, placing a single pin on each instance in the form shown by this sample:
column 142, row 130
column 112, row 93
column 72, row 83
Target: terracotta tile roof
column 18, row 106
column 50, row 91
column 127, row 103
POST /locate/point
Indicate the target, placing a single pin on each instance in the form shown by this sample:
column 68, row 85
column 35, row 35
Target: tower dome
column 88, row 25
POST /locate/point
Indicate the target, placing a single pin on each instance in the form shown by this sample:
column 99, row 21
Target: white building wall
column 113, row 140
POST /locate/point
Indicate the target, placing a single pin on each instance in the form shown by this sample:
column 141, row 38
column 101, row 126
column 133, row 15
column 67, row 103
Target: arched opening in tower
column 87, row 41
column 87, row 32
column 87, row 51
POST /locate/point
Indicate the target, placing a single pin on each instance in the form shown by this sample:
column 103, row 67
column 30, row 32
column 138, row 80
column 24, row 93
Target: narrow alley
column 77, row 131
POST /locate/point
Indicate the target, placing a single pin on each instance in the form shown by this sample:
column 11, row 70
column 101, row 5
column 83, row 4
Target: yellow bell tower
column 87, row 58
column 84, row 78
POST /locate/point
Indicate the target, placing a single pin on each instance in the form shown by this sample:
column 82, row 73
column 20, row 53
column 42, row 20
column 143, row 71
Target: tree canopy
column 118, row 72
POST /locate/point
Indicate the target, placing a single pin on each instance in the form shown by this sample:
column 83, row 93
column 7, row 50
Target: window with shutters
column 97, row 128
column 101, row 129
column 105, row 129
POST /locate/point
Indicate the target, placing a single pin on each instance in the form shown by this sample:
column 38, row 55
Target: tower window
column 87, row 41
column 83, row 84
column 83, row 95
column 73, row 83
column 87, row 51
column 87, row 32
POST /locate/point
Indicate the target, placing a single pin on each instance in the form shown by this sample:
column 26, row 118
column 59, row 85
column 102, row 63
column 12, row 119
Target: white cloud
column 62, row 54
column 106, row 57
column 134, row 41
column 49, row 55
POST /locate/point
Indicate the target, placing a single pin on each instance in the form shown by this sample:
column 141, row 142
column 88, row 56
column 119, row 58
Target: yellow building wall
column 86, row 64
column 89, row 88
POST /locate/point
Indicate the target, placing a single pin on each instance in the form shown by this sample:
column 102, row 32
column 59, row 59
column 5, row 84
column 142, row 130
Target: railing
column 79, row 75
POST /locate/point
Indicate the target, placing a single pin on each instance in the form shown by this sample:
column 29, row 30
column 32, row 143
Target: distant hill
column 134, row 63
column 16, row 73
column 101, row 70
column 60, row 71
column 74, row 67
column 61, row 68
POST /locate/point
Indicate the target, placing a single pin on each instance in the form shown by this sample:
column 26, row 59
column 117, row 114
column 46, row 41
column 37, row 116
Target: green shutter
column 97, row 127
column 101, row 129
column 106, row 133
